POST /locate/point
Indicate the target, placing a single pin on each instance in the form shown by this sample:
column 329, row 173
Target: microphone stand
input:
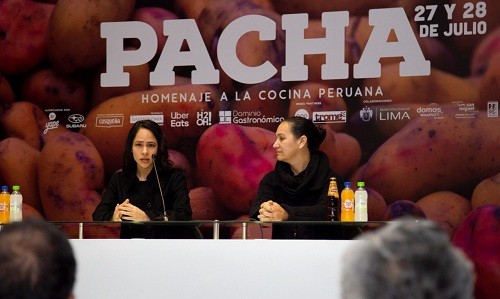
column 164, row 216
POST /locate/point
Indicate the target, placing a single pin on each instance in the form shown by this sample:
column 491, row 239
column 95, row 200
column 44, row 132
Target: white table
column 138, row 268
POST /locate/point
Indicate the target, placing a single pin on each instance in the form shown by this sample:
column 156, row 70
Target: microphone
column 164, row 216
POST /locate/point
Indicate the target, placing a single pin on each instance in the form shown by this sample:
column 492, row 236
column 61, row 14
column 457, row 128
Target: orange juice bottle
column 4, row 205
column 347, row 203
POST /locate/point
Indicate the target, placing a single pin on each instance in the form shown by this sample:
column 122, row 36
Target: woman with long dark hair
column 133, row 194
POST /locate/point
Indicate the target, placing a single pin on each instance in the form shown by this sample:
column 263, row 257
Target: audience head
column 407, row 259
column 162, row 158
column 36, row 261
column 301, row 126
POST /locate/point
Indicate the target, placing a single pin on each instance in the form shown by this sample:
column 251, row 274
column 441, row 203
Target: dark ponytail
column 303, row 126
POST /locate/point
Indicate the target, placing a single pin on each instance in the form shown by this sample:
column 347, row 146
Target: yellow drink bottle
column 347, row 203
column 4, row 205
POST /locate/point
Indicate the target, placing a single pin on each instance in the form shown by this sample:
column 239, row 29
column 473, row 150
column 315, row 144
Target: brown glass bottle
column 332, row 212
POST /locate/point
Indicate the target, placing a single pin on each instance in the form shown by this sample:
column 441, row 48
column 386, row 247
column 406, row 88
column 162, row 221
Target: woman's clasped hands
column 272, row 211
column 128, row 212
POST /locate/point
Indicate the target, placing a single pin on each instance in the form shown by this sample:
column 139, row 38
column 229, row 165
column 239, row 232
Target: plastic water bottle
column 16, row 204
column 347, row 203
column 4, row 205
column 361, row 203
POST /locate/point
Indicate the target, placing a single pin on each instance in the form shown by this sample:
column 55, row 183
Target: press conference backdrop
column 410, row 106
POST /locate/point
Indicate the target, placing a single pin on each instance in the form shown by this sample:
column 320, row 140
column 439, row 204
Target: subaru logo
column 76, row 118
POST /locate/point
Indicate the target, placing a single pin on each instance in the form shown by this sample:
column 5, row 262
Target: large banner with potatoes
column 408, row 91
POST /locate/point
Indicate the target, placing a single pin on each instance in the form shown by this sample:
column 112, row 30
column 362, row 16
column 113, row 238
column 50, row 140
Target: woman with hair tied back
column 296, row 190
column 133, row 194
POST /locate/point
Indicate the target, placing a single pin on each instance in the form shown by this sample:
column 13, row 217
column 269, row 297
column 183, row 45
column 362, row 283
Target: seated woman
column 296, row 190
column 133, row 194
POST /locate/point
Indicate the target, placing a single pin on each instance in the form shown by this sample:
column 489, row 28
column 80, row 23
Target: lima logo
column 366, row 114
column 225, row 117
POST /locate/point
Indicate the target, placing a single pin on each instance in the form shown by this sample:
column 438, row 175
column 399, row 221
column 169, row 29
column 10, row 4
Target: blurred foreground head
column 407, row 259
column 36, row 261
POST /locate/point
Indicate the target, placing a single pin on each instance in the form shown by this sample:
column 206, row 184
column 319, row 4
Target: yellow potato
column 232, row 159
column 48, row 89
column 6, row 92
column 343, row 151
column 376, row 205
column 23, row 30
column 490, row 82
column 481, row 58
column 26, row 121
column 205, row 206
column 74, row 39
column 180, row 160
column 487, row 192
column 446, row 208
column 18, row 166
column 190, row 9
column 70, row 178
column 430, row 155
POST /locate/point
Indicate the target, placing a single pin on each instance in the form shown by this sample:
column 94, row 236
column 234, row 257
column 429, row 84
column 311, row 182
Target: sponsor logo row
column 177, row 119
column 366, row 114
column 256, row 117
column 72, row 122
column 458, row 109
column 202, row 119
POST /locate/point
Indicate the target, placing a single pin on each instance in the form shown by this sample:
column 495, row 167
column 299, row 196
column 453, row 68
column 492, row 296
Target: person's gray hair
column 407, row 259
column 37, row 261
